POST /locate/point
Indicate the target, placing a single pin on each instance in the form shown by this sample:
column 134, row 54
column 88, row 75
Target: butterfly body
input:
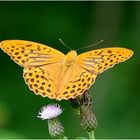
column 70, row 58
column 52, row 74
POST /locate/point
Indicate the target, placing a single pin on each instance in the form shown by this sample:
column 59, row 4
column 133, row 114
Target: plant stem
column 61, row 138
column 91, row 134
column 64, row 138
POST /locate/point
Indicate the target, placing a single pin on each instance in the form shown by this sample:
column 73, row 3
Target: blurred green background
column 116, row 93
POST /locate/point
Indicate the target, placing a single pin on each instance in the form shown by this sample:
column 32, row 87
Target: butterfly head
column 70, row 57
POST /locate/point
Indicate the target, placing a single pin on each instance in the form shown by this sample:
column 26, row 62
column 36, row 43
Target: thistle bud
column 55, row 128
column 87, row 118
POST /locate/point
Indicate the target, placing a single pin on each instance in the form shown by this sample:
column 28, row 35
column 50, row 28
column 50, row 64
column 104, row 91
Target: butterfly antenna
column 64, row 44
column 91, row 45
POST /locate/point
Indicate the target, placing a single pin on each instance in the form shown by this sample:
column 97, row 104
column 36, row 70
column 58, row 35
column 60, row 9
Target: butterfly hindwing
column 78, row 85
column 39, row 82
column 27, row 53
column 102, row 59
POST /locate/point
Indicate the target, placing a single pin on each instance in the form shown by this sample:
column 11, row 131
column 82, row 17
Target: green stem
column 62, row 138
column 65, row 138
column 91, row 134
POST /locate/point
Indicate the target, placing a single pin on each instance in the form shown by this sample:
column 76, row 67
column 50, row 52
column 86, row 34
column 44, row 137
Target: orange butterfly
column 52, row 74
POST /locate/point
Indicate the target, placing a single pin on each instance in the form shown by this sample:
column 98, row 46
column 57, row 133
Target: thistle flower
column 50, row 113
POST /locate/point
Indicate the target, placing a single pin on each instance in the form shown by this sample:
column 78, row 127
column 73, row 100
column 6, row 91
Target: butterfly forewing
column 102, row 59
column 27, row 53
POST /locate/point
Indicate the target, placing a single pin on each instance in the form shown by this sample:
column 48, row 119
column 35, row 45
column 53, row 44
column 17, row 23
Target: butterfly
column 50, row 73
